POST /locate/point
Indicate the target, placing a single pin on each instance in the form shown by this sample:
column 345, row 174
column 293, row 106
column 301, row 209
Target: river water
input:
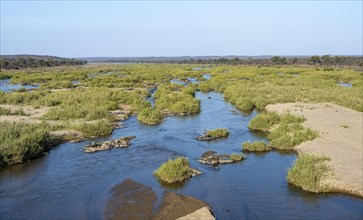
column 70, row 184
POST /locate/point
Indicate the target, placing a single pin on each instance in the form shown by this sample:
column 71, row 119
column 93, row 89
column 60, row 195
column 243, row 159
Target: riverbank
column 340, row 139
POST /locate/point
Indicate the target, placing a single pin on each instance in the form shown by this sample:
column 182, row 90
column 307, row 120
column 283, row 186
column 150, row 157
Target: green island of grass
column 218, row 133
column 173, row 171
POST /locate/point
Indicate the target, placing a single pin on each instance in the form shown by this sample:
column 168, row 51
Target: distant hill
column 29, row 61
column 326, row 60
column 168, row 59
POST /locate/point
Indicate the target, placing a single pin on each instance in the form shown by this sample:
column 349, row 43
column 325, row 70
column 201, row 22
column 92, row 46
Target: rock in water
column 175, row 206
column 107, row 145
column 94, row 147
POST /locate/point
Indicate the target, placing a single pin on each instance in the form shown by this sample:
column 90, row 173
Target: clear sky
column 177, row 28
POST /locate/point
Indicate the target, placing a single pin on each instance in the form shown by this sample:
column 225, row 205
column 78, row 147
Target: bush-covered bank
column 174, row 99
column 258, row 146
column 150, row 116
column 22, row 142
column 284, row 132
column 248, row 87
column 309, row 173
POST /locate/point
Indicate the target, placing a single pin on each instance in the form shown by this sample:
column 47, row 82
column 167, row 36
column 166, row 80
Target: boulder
column 205, row 137
column 107, row 145
column 224, row 158
column 94, row 147
column 212, row 158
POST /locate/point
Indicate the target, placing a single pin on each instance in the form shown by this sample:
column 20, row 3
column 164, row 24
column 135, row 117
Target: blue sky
column 177, row 28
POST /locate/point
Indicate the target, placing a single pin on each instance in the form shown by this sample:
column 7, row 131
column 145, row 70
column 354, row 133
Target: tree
column 314, row 60
column 326, row 59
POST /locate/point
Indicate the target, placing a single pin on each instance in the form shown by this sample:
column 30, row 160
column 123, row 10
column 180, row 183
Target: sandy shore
column 341, row 132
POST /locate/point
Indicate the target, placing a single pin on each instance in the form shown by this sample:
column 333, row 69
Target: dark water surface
column 71, row 184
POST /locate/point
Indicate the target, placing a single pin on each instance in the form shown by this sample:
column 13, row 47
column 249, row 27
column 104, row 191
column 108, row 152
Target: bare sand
column 33, row 115
column 341, row 139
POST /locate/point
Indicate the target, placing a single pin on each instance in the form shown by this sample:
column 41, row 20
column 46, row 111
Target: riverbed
column 70, row 184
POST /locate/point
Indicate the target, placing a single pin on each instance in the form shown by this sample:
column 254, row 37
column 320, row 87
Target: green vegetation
column 173, row 171
column 104, row 88
column 270, row 85
column 94, row 129
column 264, row 121
column 237, row 157
column 150, row 116
column 174, row 99
column 217, row 133
column 22, row 142
column 309, row 172
column 256, row 146
column 287, row 135
column 285, row 131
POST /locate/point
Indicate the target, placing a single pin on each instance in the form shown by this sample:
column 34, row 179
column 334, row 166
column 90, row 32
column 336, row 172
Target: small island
column 213, row 134
column 176, row 170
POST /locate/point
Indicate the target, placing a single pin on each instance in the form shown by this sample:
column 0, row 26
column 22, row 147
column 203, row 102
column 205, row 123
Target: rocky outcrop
column 107, row 145
column 205, row 137
column 212, row 158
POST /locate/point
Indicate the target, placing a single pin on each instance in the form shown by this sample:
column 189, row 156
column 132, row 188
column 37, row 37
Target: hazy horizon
column 174, row 29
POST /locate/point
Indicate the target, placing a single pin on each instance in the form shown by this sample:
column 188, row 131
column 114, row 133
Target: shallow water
column 349, row 85
column 6, row 86
column 71, row 184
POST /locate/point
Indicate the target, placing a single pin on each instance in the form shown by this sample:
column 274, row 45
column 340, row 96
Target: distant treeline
column 326, row 60
column 29, row 61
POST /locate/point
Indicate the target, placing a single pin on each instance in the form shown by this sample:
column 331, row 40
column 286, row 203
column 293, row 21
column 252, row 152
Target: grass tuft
column 217, row 133
column 173, row 171
column 21, row 142
column 308, row 172
column 150, row 116
column 256, row 146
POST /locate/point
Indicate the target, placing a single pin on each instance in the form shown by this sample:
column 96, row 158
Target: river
column 70, row 184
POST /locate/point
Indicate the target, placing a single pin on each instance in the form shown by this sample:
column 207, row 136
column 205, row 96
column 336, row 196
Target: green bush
column 288, row 135
column 220, row 132
column 244, row 104
column 94, row 129
column 170, row 99
column 150, row 116
column 21, row 142
column 264, row 121
column 256, row 146
column 173, row 171
column 309, row 172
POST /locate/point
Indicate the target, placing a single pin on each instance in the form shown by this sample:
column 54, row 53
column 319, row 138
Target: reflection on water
column 71, row 184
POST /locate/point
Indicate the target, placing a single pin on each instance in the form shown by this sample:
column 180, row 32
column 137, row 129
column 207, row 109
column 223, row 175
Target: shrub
column 220, row 132
column 288, row 135
column 94, row 129
column 150, row 116
column 264, row 121
column 256, row 146
column 245, row 104
column 308, row 172
column 173, row 171
column 20, row 142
